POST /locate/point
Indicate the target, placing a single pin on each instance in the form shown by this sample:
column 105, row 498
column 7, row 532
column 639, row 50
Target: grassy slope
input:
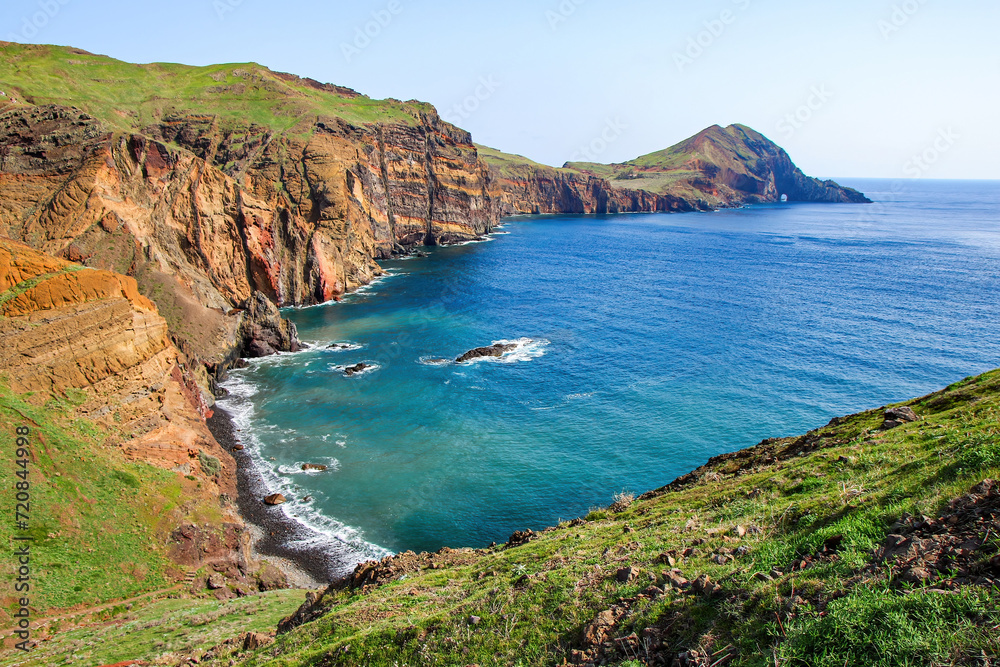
column 98, row 520
column 158, row 631
column 517, row 166
column 535, row 600
column 668, row 171
column 131, row 97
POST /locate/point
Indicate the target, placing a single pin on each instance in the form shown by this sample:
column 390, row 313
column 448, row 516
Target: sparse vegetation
column 787, row 533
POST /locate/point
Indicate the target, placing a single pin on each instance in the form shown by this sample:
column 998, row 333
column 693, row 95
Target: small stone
column 740, row 531
column 475, row 620
column 917, row 575
column 627, row 574
column 675, row 580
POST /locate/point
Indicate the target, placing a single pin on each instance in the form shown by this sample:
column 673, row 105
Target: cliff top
column 131, row 97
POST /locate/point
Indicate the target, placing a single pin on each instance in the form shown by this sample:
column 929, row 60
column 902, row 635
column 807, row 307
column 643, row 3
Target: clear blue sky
column 887, row 80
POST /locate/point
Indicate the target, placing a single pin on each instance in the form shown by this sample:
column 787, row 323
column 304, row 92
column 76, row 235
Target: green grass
column 158, row 631
column 132, row 97
column 99, row 522
column 24, row 286
column 517, row 166
column 535, row 600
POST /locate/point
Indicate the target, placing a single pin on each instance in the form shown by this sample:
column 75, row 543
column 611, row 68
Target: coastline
column 306, row 566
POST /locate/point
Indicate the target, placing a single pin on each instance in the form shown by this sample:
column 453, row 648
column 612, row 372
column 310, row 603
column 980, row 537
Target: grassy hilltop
column 132, row 97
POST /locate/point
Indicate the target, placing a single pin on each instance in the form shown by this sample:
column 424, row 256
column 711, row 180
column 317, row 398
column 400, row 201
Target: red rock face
column 300, row 220
column 539, row 191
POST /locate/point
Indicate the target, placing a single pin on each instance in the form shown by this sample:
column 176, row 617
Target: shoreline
column 307, row 567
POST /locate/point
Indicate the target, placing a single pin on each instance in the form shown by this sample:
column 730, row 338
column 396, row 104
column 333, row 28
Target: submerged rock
column 354, row 370
column 495, row 350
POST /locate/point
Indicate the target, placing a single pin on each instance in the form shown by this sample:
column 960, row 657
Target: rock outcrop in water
column 495, row 350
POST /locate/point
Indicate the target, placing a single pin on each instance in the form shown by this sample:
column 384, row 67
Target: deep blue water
column 649, row 343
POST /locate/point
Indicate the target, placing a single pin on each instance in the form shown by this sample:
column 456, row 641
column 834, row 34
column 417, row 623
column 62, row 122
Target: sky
column 853, row 88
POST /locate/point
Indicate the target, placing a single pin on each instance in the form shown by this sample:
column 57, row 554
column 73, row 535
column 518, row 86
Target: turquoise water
column 646, row 345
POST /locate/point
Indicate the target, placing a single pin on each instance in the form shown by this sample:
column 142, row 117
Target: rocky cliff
column 248, row 181
column 526, row 187
column 88, row 338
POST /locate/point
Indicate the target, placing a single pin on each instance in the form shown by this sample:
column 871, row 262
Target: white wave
column 332, row 465
column 321, row 532
column 434, row 361
column 525, row 349
column 573, row 397
column 482, row 239
column 371, row 368
column 343, row 346
column 279, row 359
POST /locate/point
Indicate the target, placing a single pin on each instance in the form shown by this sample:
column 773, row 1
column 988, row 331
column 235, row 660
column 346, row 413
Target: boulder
column 270, row 578
column 520, row 537
column 898, row 416
column 254, row 640
column 354, row 370
column 275, row 499
column 313, row 466
column 262, row 330
column 216, row 581
column 495, row 350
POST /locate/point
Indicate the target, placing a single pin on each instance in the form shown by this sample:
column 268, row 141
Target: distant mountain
column 722, row 167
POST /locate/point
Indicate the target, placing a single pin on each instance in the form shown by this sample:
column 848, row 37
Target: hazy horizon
column 853, row 90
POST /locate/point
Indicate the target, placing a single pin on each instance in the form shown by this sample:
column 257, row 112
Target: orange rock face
column 234, row 211
column 65, row 327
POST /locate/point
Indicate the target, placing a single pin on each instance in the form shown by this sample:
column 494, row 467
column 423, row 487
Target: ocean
column 645, row 344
